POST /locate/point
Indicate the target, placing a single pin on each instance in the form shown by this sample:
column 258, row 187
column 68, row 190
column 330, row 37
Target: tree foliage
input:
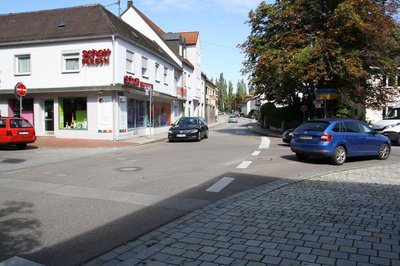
column 228, row 99
column 220, row 83
column 300, row 45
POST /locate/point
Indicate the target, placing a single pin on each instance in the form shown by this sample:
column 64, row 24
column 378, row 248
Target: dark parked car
column 338, row 139
column 287, row 135
column 16, row 131
column 188, row 128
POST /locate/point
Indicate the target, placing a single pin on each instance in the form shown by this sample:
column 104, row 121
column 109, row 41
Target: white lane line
column 220, row 185
column 256, row 153
column 244, row 164
column 265, row 142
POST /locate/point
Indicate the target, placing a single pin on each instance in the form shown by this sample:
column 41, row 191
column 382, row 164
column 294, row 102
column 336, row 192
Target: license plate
column 181, row 135
column 305, row 137
column 23, row 133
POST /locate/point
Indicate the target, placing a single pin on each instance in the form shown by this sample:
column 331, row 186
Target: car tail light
column 9, row 133
column 326, row 137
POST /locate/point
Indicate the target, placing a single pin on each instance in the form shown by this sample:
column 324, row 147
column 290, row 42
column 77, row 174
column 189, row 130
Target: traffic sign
column 20, row 89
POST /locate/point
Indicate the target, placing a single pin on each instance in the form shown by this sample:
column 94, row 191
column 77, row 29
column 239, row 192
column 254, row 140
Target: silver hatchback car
column 233, row 119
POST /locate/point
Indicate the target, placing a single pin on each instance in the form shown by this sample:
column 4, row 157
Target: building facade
column 211, row 101
column 89, row 74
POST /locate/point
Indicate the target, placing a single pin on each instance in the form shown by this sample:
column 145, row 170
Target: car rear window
column 2, row 123
column 317, row 126
column 19, row 123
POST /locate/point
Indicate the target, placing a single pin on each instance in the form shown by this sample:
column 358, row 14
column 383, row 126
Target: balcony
column 181, row 92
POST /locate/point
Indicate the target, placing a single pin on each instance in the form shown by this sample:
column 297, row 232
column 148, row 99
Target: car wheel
column 21, row 146
column 384, row 152
column 199, row 136
column 339, row 155
column 206, row 135
column 301, row 156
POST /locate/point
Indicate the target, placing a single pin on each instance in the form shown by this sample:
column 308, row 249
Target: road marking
column 244, row 164
column 265, row 142
column 256, row 153
column 220, row 185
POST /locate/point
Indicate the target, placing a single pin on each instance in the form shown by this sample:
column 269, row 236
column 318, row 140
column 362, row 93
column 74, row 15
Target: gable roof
column 191, row 37
column 81, row 22
column 152, row 25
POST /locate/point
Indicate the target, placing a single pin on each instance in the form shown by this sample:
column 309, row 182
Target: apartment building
column 92, row 75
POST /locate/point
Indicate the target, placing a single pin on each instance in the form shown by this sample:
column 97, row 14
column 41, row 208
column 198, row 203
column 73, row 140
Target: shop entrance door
column 49, row 116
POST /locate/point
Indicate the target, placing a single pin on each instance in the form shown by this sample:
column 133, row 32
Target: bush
column 273, row 116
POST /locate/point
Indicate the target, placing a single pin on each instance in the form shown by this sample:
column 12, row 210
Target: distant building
column 211, row 101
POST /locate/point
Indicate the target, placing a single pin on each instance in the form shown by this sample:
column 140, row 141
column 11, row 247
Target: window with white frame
column 144, row 67
column 157, row 72
column 70, row 62
column 165, row 75
column 130, row 66
column 184, row 79
column 23, row 64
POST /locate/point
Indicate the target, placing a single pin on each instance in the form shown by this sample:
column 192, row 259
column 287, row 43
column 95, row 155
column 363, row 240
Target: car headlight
column 170, row 131
column 194, row 131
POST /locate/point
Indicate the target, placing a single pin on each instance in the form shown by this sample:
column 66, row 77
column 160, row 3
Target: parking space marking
column 220, row 185
column 265, row 142
column 244, row 164
column 256, row 153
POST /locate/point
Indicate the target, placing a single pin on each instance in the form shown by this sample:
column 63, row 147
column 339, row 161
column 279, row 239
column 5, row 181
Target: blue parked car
column 338, row 139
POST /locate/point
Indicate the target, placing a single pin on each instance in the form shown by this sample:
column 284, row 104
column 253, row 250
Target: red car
column 16, row 131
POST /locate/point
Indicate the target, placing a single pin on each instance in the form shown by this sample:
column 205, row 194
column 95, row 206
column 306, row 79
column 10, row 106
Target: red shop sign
column 96, row 57
column 129, row 80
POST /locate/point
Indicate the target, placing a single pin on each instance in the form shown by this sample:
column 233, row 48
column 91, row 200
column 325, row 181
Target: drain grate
column 130, row 169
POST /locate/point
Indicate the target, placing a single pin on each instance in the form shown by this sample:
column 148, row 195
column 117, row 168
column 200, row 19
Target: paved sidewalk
column 347, row 217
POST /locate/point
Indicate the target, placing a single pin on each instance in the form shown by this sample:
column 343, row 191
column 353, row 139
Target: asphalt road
column 66, row 206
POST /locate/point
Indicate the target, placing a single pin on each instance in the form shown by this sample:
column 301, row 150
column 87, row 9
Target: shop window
column 136, row 114
column 130, row 67
column 27, row 109
column 144, row 67
column 70, row 62
column 162, row 114
column 73, row 113
column 23, row 64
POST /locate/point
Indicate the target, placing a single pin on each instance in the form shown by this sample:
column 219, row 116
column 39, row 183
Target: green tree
column 230, row 98
column 300, row 45
column 220, row 83
column 240, row 94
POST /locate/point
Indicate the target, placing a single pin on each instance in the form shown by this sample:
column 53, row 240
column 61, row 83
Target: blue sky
column 221, row 24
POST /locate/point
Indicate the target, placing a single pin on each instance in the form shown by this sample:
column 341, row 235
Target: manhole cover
column 130, row 169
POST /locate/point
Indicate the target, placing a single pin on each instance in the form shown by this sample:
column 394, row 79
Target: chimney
column 130, row 4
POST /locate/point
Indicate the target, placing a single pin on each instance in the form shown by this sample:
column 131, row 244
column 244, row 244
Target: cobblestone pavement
column 348, row 217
